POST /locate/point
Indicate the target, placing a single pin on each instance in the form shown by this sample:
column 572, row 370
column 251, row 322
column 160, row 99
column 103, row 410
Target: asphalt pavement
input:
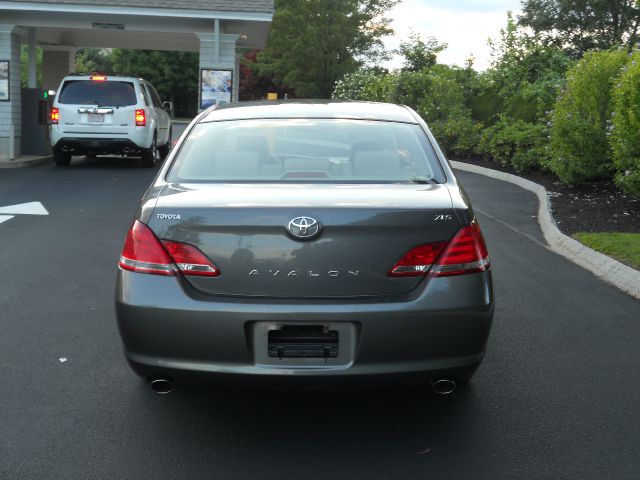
column 557, row 397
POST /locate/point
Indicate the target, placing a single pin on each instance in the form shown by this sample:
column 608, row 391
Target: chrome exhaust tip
column 444, row 386
column 161, row 385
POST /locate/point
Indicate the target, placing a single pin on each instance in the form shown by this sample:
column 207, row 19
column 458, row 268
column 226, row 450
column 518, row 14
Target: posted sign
column 215, row 87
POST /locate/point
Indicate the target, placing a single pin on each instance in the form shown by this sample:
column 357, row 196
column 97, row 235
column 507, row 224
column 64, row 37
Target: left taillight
column 54, row 116
column 141, row 118
column 143, row 252
column 465, row 253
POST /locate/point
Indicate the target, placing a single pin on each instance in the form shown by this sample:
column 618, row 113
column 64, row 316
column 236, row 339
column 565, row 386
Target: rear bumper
column 97, row 146
column 169, row 330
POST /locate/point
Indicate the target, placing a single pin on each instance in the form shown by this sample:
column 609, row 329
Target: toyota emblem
column 304, row 227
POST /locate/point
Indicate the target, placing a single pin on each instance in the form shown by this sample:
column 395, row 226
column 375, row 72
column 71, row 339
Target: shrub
column 438, row 95
column 625, row 127
column 579, row 144
column 515, row 143
column 367, row 85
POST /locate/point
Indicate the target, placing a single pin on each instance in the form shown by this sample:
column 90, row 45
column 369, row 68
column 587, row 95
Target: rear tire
column 62, row 159
column 166, row 148
column 149, row 155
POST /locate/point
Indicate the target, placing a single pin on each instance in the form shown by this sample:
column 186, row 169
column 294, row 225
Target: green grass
column 624, row 247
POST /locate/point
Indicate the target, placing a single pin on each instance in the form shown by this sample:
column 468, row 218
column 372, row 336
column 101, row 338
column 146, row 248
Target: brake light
column 190, row 260
column 144, row 253
column 54, row 116
column 417, row 261
column 465, row 253
column 98, row 78
column 141, row 118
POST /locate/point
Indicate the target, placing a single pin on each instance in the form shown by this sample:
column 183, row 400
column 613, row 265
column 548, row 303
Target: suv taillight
column 54, row 116
column 141, row 118
column 144, row 253
column 465, row 253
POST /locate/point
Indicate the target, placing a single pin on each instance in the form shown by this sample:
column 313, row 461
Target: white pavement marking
column 30, row 208
column 4, row 218
column 618, row 274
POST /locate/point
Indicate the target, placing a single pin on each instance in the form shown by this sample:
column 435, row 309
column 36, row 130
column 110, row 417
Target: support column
column 218, row 52
column 32, row 57
column 10, row 108
column 57, row 62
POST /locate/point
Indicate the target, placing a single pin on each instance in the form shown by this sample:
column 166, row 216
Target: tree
column 174, row 74
column 582, row 25
column 526, row 75
column 314, row 43
column 419, row 54
column 251, row 85
column 89, row 60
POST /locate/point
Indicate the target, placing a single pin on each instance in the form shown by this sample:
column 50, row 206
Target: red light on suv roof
column 98, row 78
column 141, row 118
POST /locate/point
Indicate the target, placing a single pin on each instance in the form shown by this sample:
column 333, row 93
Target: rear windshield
column 306, row 150
column 92, row 92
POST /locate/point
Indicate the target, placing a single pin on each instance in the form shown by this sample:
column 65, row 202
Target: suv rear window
column 306, row 150
column 101, row 93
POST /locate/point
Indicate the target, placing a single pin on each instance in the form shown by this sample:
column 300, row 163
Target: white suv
column 107, row 115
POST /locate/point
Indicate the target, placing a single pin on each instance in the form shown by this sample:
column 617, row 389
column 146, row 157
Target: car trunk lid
column 364, row 230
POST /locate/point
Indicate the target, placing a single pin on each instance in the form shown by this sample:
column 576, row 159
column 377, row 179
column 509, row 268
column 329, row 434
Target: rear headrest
column 375, row 162
column 252, row 142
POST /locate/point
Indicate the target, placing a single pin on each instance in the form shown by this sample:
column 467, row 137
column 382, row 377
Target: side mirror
column 167, row 106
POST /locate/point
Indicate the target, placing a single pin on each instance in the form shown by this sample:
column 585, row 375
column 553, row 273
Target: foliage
column 582, row 25
column 622, row 246
column 174, row 74
column 579, row 141
column 625, row 134
column 525, row 74
column 419, row 54
column 438, row 95
column 251, row 85
column 314, row 43
column 90, row 60
column 515, row 143
column 366, row 84
column 24, row 63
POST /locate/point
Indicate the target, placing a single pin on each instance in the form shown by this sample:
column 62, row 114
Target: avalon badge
column 304, row 227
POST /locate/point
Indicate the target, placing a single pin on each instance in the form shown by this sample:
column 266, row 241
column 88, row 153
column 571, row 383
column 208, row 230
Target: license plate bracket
column 303, row 341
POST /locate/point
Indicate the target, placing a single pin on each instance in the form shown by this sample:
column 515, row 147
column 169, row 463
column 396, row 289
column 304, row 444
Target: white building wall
column 10, row 112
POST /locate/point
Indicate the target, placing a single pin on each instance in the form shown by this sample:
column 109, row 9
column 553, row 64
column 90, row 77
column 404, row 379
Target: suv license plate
column 95, row 117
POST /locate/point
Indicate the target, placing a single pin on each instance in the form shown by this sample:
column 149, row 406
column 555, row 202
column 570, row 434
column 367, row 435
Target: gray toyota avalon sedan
column 305, row 243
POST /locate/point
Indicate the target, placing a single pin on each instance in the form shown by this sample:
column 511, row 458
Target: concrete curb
column 623, row 277
column 24, row 163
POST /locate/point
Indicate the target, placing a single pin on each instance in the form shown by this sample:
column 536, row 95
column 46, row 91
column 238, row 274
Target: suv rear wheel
column 149, row 154
column 62, row 159
column 166, row 148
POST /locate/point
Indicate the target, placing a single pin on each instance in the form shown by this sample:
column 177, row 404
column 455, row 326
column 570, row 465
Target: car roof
column 310, row 109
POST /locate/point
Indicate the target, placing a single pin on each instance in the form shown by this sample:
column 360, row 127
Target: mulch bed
column 597, row 207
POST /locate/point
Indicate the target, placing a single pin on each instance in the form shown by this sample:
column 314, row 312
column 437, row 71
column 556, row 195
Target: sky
column 465, row 25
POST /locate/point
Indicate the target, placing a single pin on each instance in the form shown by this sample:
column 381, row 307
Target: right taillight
column 141, row 118
column 466, row 252
column 143, row 252
column 54, row 116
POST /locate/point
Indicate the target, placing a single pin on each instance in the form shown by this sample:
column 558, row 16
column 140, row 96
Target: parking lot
column 557, row 396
